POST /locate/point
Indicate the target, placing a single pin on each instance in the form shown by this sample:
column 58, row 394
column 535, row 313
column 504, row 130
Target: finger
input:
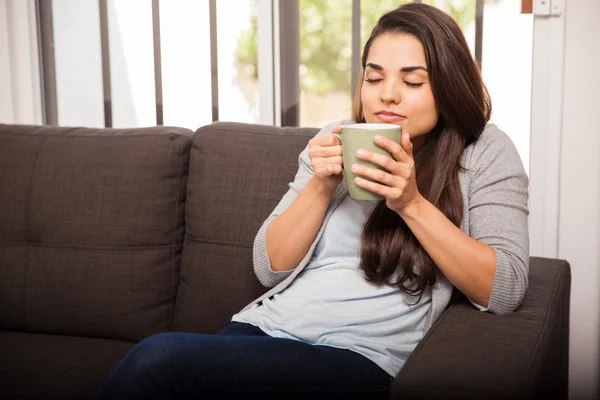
column 378, row 176
column 330, row 169
column 322, row 162
column 384, row 161
column 404, row 170
column 390, row 193
column 330, row 140
column 324, row 141
column 396, row 149
column 335, row 169
column 337, row 160
column 337, row 129
column 407, row 145
column 329, row 151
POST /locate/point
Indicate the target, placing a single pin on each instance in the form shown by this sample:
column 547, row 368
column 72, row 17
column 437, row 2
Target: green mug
column 360, row 136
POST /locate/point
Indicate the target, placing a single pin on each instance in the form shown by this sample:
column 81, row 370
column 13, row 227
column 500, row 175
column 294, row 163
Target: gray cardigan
column 495, row 212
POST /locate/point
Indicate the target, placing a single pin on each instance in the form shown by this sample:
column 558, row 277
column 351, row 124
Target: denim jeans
column 241, row 360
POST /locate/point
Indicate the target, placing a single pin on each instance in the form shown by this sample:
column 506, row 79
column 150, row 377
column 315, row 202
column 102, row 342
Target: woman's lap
column 241, row 359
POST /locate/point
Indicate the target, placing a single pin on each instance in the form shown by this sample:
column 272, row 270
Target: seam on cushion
column 178, row 194
column 186, row 236
column 65, row 134
column 238, row 130
column 99, row 248
column 28, row 208
column 213, row 241
column 543, row 332
column 28, row 238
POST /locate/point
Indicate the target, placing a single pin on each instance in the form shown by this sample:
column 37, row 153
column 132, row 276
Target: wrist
column 412, row 209
column 322, row 186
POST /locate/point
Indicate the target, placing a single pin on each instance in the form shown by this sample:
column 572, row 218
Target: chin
column 372, row 119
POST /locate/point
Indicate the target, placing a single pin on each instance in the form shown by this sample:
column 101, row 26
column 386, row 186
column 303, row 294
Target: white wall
column 579, row 220
column 503, row 79
column 19, row 71
column 6, row 101
column 78, row 59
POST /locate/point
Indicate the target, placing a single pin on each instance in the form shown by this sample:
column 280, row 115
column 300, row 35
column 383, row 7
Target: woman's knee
column 139, row 373
column 152, row 354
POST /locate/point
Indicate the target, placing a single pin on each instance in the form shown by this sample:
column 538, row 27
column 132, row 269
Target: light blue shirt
column 330, row 303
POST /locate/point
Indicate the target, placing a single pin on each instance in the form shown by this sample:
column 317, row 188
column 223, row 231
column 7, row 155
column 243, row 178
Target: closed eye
column 409, row 84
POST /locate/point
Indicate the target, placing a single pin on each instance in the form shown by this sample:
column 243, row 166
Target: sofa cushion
column 469, row 354
column 238, row 174
column 91, row 229
column 40, row 366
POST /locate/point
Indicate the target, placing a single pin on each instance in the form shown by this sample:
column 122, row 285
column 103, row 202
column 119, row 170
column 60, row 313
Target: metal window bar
column 289, row 50
column 276, row 43
column 479, row 31
column 266, row 30
column 214, row 65
column 356, row 62
column 105, row 54
column 158, row 92
column 45, row 31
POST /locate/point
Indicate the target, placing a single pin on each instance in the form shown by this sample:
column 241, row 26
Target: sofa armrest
column 469, row 354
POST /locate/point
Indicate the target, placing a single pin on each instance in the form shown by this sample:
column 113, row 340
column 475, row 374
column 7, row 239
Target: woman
column 358, row 283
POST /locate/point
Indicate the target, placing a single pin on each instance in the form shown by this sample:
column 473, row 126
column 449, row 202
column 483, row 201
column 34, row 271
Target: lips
column 389, row 116
column 390, row 113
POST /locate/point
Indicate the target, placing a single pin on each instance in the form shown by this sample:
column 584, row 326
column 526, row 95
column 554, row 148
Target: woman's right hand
column 325, row 153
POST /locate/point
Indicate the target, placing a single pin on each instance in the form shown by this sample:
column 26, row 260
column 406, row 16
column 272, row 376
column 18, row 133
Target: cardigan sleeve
column 498, row 215
column 262, row 264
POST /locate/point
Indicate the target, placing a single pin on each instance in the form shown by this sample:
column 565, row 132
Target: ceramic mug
column 360, row 136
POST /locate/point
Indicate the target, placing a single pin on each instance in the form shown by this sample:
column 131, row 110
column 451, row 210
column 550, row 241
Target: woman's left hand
column 399, row 185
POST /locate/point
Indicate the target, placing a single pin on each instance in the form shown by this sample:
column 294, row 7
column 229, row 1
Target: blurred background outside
column 324, row 72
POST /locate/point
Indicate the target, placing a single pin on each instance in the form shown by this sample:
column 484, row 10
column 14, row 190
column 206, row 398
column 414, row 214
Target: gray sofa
column 108, row 236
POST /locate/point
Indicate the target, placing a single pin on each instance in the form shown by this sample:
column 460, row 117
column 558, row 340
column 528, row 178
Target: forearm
column 468, row 264
column 290, row 235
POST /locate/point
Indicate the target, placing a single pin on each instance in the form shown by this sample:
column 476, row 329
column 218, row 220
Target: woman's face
column 396, row 89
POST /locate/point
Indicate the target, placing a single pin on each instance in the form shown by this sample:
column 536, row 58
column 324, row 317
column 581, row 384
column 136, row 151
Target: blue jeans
column 241, row 360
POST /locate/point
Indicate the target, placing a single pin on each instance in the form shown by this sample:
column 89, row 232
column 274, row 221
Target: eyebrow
column 403, row 69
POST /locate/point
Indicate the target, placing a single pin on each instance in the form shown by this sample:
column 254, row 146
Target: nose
column 390, row 92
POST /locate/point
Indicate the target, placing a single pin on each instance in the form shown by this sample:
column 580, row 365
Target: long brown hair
column 388, row 245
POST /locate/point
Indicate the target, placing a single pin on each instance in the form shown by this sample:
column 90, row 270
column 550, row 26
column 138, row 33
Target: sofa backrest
column 238, row 174
column 91, row 229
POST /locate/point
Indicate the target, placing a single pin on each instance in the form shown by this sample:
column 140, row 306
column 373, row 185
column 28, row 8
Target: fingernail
column 355, row 168
column 378, row 139
column 360, row 152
